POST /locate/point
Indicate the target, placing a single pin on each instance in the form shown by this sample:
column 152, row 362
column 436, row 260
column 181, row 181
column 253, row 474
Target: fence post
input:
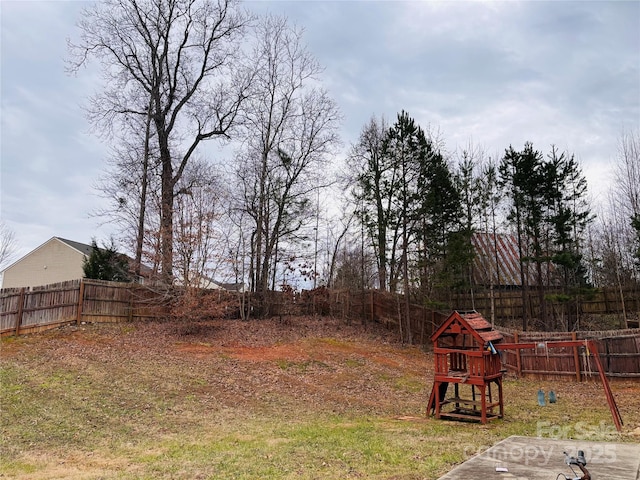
column 347, row 307
column 576, row 357
column 80, row 302
column 19, row 313
column 130, row 313
column 433, row 322
column 518, row 359
column 373, row 310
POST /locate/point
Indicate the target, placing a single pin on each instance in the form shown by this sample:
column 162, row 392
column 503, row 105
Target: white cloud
column 499, row 73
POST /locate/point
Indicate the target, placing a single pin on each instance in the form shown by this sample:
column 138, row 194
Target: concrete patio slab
column 535, row 458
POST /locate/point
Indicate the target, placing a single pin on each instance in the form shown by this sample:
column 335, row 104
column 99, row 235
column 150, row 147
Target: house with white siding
column 56, row 260
column 60, row 260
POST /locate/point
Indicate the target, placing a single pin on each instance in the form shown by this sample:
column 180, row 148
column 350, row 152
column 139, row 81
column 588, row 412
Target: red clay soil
column 315, row 354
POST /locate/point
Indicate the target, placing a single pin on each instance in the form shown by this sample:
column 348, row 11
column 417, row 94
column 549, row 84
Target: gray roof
column 86, row 250
column 232, row 287
column 81, row 247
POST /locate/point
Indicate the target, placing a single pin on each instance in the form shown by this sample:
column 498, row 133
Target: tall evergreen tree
column 520, row 174
column 490, row 200
column 469, row 182
column 550, row 214
column 406, row 147
column 568, row 217
column 376, row 179
column 440, row 211
column 409, row 204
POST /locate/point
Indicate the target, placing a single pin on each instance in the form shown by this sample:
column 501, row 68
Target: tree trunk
column 143, row 196
column 524, row 278
column 166, row 209
column 260, row 281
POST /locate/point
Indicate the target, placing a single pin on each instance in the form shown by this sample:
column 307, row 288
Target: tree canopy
column 180, row 72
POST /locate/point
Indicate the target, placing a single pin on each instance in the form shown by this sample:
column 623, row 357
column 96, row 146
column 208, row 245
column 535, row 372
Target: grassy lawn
column 311, row 398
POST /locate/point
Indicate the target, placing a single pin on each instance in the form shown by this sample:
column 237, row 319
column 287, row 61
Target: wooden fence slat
column 619, row 359
column 20, row 310
column 39, row 308
column 606, row 300
column 80, row 302
column 518, row 355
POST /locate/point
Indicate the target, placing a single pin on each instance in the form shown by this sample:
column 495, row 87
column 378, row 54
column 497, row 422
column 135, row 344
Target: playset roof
column 471, row 323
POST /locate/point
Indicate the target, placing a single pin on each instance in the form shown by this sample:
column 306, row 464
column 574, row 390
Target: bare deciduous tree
column 196, row 231
column 8, row 245
column 291, row 129
column 129, row 183
column 335, row 241
column 627, row 185
column 627, row 173
column 615, row 244
column 375, row 177
column 173, row 61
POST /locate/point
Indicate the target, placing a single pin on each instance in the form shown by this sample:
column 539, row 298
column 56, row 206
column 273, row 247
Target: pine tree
column 376, row 179
column 405, row 146
column 568, row 218
column 473, row 203
column 520, row 174
column 443, row 248
column 550, row 214
column 106, row 264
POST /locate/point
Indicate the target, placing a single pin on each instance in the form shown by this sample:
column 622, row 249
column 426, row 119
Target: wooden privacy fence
column 375, row 306
column 33, row 309
column 507, row 304
column 28, row 310
column 619, row 351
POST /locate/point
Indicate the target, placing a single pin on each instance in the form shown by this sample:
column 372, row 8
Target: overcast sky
column 492, row 73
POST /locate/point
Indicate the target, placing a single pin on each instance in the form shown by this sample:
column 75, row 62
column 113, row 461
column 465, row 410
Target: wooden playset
column 465, row 357
column 466, row 352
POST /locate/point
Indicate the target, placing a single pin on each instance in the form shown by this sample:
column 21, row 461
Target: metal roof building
column 497, row 261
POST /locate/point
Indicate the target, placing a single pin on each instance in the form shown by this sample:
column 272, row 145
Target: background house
column 497, row 263
column 56, row 260
column 60, row 260
column 207, row 283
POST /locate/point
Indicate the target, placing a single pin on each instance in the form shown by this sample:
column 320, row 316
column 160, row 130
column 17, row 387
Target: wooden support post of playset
column 576, row 357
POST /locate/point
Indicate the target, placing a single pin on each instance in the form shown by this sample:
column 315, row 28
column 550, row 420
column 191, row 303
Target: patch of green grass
column 16, row 467
column 301, row 367
column 334, row 448
column 409, row 383
column 154, row 417
column 9, row 339
column 125, row 329
column 354, row 362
